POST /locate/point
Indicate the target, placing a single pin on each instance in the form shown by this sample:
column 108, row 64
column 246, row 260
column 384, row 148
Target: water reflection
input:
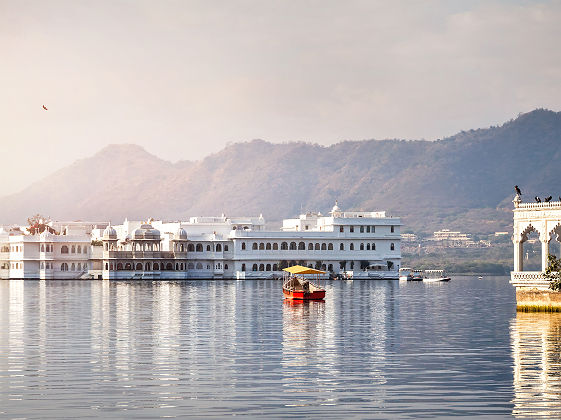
column 536, row 350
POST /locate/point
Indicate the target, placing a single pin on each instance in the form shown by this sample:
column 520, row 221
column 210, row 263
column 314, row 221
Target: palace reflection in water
column 536, row 350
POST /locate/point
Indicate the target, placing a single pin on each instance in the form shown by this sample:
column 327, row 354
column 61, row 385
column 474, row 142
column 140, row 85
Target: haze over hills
column 462, row 182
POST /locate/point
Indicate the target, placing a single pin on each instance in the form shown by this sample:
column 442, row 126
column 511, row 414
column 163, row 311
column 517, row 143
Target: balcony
column 529, row 279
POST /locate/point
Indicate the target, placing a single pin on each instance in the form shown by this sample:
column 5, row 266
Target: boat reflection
column 536, row 351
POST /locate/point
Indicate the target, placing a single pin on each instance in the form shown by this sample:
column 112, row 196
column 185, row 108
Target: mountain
column 462, row 182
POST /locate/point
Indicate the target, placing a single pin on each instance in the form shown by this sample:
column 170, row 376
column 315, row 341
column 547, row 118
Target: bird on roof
column 538, row 200
column 45, row 108
column 517, row 190
column 547, row 199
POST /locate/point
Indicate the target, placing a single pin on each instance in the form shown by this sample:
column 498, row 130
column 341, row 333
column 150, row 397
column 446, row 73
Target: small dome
column 138, row 234
column 109, row 233
column 181, row 235
column 335, row 207
column 153, row 234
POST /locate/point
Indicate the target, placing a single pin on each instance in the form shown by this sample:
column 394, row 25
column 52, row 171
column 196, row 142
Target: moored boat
column 297, row 284
column 405, row 273
column 415, row 275
column 435, row 275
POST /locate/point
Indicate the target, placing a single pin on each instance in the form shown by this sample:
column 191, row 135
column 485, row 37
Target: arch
column 254, row 246
column 318, row 246
column 330, row 246
column 182, row 248
column 293, row 246
column 176, row 266
column 261, row 246
column 310, row 246
column 268, row 246
column 128, row 266
column 243, row 246
column 261, row 267
column 190, row 248
column 330, row 267
column 199, row 266
column 323, row 247
column 218, row 248
column 284, row 246
column 199, row 247
column 42, row 265
column 368, row 247
column 64, row 249
column 254, row 268
column 106, row 266
column 42, row 248
column 190, row 266
column 208, row 248
column 78, row 249
column 341, row 246
column 275, row 267
column 169, row 266
column 64, row 267
column 362, row 246
column 373, row 246
column 268, row 267
column 147, row 266
column 362, row 229
column 73, row 249
column 138, row 266
column 301, row 246
column 352, row 246
column 392, row 247
column 226, row 248
column 243, row 267
column 181, row 266
column 156, row 267
column 225, row 266
column 527, row 230
column 275, row 247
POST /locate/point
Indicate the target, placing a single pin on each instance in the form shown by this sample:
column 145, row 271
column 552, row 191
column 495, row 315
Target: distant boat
column 480, row 278
column 435, row 275
column 297, row 285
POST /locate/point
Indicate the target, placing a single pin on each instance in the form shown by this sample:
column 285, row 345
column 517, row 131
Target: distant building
column 452, row 239
column 409, row 237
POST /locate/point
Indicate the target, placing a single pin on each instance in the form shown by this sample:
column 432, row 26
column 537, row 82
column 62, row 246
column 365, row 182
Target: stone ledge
column 530, row 300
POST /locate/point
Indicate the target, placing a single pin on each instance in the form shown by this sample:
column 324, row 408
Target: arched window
column 261, row 246
column 182, row 248
column 156, row 267
column 225, row 266
column 362, row 229
column 199, row 248
column 368, row 247
column 243, row 246
column 330, row 246
column 275, row 246
column 199, row 266
column 64, row 249
column 79, row 249
column 190, row 248
column 128, row 266
column 190, row 266
column 218, row 248
column 330, row 267
column 351, row 229
column 268, row 247
column 169, row 266
column 106, row 266
column 301, row 246
column 373, row 247
column 208, row 266
column 208, row 248
column 139, row 266
column 367, row 229
column 323, row 247
column 392, row 246
column 261, row 267
column 341, row 246
column 42, row 265
column 254, row 268
column 73, row 249
column 352, row 247
column 111, row 266
column 391, row 229
column 147, row 267
column 225, row 248
column 318, row 246
column 254, row 246
column 268, row 267
column 310, row 246
column 42, row 248
column 243, row 267
column 362, row 247
column 64, row 267
column 275, row 267
column 284, row 246
column 293, row 246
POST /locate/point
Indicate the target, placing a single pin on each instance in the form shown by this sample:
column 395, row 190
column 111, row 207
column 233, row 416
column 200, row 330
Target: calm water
column 73, row 349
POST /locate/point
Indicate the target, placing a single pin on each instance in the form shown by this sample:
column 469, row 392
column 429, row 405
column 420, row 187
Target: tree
column 553, row 272
column 38, row 224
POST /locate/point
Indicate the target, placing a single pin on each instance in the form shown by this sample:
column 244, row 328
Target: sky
column 185, row 78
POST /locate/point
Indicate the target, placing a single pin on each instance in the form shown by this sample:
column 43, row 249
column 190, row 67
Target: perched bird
column 538, row 200
column 517, row 190
column 547, row 199
column 45, row 108
column 560, row 198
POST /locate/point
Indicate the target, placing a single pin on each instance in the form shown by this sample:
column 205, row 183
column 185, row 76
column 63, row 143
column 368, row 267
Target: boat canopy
column 299, row 269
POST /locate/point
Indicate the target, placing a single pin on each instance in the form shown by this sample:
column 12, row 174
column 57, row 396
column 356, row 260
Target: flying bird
column 538, row 200
column 547, row 199
column 45, row 108
column 517, row 190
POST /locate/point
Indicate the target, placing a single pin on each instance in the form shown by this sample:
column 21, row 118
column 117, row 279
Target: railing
column 550, row 205
column 534, row 279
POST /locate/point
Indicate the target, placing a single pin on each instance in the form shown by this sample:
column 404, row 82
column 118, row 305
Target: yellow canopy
column 299, row 269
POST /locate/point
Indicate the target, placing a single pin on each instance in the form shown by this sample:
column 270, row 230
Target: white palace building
column 361, row 244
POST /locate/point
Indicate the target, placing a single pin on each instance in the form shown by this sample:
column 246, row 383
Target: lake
column 211, row 349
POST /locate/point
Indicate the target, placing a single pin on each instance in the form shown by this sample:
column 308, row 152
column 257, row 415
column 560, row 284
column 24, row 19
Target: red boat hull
column 301, row 295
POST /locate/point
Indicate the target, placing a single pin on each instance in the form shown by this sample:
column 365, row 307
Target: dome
column 335, row 207
column 153, row 234
column 138, row 234
column 146, row 231
column 109, row 233
column 181, row 235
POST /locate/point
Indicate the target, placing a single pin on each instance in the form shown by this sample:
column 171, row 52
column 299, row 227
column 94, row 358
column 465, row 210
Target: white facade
column 364, row 243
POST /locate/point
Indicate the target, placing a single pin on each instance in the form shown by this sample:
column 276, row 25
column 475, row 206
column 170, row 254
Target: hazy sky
column 183, row 78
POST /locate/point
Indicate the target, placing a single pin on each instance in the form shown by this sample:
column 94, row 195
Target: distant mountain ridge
column 463, row 182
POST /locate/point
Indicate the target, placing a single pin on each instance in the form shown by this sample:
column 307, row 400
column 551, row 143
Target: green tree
column 553, row 272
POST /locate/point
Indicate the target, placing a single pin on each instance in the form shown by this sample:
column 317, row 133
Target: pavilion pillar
column 518, row 256
column 545, row 253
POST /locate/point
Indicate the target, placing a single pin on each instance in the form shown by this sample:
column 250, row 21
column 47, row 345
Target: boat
column 480, row 278
column 415, row 275
column 435, row 275
column 297, row 284
column 405, row 273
